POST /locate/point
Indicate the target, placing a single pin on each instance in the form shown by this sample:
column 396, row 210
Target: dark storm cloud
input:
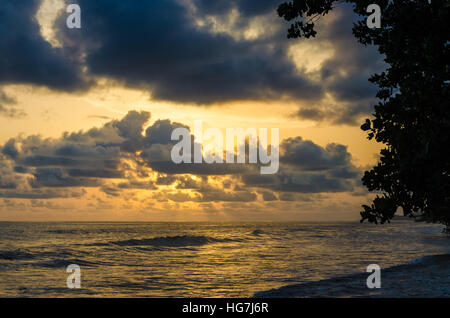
column 349, row 69
column 45, row 161
column 160, row 132
column 117, row 188
column 155, row 45
column 345, row 75
column 156, row 150
column 84, row 151
column 306, row 167
column 130, row 128
column 54, row 177
column 260, row 180
column 345, row 172
column 311, row 113
column 302, row 182
column 122, row 149
column 95, row 173
column 20, row 169
column 349, row 114
column 10, row 149
column 309, row 156
column 312, row 183
column 198, row 169
column 25, row 57
column 7, row 185
column 354, row 88
column 80, row 159
column 246, row 7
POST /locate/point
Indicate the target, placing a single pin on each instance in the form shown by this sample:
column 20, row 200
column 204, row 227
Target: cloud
column 136, row 184
column 189, row 183
column 156, row 153
column 9, row 179
column 344, row 114
column 95, row 173
column 301, row 182
column 201, row 52
column 199, row 169
column 306, row 167
column 99, row 117
column 236, row 196
column 55, row 177
column 160, row 132
column 9, row 111
column 121, row 156
column 43, row 194
column 345, row 74
column 10, row 149
column 268, row 195
column 309, row 156
column 79, row 159
column 168, row 54
column 6, row 99
column 26, row 58
column 165, row 180
column 247, row 8
column 312, row 183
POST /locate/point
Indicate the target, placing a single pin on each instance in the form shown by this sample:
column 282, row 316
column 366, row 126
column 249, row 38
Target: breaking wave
column 168, row 241
column 59, row 263
column 17, row 254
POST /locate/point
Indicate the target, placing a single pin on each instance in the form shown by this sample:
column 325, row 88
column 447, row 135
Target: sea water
column 200, row 259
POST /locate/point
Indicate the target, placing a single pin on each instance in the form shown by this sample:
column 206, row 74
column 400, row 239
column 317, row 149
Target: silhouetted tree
column 412, row 117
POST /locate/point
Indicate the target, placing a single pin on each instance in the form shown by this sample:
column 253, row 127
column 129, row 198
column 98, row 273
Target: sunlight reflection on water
column 198, row 259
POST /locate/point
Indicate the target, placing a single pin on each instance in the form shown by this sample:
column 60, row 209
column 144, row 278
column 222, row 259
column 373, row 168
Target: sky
column 86, row 114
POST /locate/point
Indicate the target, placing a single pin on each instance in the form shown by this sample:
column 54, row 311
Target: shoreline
column 428, row 276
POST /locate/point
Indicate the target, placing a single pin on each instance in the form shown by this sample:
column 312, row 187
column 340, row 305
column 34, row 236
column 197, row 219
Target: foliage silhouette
column 412, row 117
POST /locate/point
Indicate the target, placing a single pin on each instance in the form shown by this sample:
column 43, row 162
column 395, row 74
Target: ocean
column 207, row 259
